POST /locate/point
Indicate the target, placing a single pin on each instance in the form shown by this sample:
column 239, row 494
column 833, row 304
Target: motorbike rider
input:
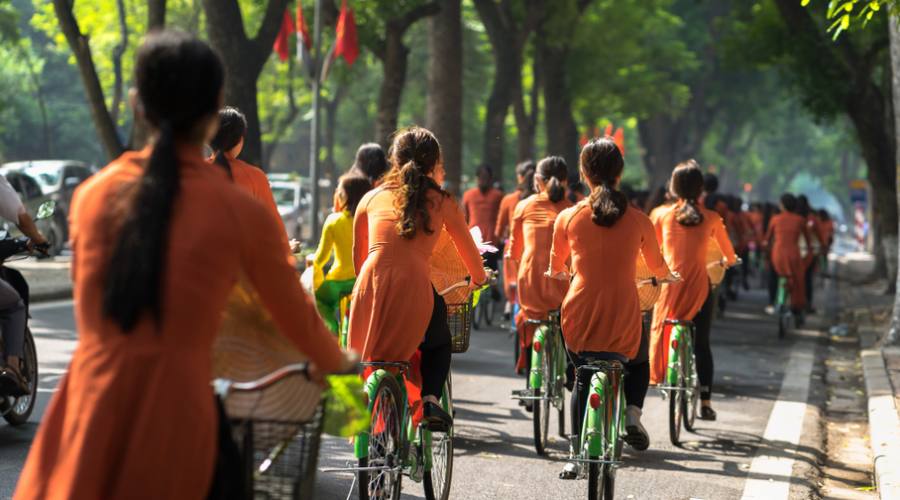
column 12, row 307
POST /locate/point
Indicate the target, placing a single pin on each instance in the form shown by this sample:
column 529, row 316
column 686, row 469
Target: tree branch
column 118, row 53
column 403, row 22
column 269, row 29
column 156, row 18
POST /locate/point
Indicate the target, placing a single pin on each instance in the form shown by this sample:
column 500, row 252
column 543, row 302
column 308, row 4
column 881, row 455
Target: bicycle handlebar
column 223, row 386
column 654, row 281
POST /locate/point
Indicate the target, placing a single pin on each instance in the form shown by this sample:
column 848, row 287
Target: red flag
column 281, row 41
column 302, row 30
column 609, row 131
column 619, row 137
column 345, row 43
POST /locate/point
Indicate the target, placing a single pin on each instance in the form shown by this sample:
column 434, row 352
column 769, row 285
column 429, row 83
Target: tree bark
column 80, row 45
column 893, row 335
column 244, row 59
column 526, row 121
column 156, row 14
column 331, row 109
column 118, row 53
column 559, row 124
column 393, row 55
column 443, row 113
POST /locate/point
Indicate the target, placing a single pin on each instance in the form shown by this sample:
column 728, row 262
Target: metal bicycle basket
column 280, row 457
column 459, row 319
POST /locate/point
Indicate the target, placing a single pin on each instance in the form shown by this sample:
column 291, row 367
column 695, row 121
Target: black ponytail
column 232, row 128
column 687, row 183
column 553, row 171
column 602, row 163
column 414, row 155
column 175, row 101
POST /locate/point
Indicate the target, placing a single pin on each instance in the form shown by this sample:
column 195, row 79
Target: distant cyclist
column 482, row 207
column 370, row 163
column 524, row 189
column 603, row 236
column 782, row 237
column 685, row 232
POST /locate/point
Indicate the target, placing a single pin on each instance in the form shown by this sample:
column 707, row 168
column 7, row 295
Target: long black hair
column 179, row 82
column 602, row 163
column 414, row 155
column 553, row 171
column 371, row 162
column 687, row 185
column 232, row 128
column 525, row 170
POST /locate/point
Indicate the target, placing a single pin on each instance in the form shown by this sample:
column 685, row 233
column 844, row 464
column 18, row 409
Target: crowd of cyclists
column 161, row 236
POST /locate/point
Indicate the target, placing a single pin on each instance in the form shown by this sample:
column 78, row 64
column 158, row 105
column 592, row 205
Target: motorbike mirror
column 46, row 210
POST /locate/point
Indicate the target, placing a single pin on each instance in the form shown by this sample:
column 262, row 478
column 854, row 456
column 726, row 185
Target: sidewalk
column 48, row 279
column 866, row 309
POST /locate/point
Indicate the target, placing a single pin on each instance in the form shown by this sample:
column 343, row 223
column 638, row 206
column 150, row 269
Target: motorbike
column 17, row 409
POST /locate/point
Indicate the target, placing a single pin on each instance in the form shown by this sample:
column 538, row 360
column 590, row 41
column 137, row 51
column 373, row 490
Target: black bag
column 229, row 479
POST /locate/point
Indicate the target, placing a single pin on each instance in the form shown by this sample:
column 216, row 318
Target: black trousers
column 810, row 273
column 583, row 383
column 637, row 370
column 702, row 351
column 436, row 351
column 773, row 284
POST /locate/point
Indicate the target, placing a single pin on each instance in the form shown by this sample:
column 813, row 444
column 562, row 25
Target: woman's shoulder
column 582, row 207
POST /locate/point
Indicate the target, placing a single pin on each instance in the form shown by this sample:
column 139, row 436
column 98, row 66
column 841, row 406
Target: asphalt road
column 495, row 458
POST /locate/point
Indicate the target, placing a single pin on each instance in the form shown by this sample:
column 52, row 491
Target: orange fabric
column 685, row 248
column 659, row 211
column 482, row 210
column 601, row 311
column 755, row 220
column 392, row 299
column 787, row 228
column 254, row 181
column 529, row 245
column 134, row 415
column 504, row 220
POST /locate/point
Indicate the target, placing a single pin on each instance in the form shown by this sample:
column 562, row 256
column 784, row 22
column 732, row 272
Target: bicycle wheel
column 561, row 416
column 437, row 480
column 609, row 482
column 596, row 481
column 19, row 409
column 541, row 414
column 691, row 402
column 385, row 444
column 675, row 411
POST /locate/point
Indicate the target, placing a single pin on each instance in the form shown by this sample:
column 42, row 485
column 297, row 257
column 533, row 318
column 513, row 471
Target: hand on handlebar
column 349, row 364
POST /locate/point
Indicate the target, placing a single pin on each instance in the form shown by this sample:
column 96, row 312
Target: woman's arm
column 517, row 234
column 456, row 225
column 721, row 236
column 560, row 250
column 275, row 279
column 650, row 247
column 361, row 233
column 326, row 244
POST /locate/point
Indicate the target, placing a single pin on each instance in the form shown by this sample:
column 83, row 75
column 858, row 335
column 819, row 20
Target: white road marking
column 53, row 304
column 770, row 475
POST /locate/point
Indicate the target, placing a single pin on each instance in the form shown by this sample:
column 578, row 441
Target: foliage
column 346, row 413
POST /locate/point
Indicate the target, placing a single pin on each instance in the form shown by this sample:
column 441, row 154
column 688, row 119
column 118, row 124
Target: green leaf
column 804, row 3
column 346, row 411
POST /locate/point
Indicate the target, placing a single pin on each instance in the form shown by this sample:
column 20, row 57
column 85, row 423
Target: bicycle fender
column 361, row 443
column 677, row 336
column 594, row 418
column 537, row 357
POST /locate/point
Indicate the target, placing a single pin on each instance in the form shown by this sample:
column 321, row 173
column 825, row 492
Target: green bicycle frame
column 549, row 342
column 679, row 346
column 601, row 426
column 781, row 298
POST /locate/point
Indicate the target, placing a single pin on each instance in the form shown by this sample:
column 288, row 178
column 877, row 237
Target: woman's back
column 685, row 247
column 787, row 228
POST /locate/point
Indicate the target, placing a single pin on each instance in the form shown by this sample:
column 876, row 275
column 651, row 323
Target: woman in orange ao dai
column 395, row 309
column 685, row 231
column 603, row 235
column 529, row 247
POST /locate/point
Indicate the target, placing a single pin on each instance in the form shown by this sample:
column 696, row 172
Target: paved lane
column 494, row 453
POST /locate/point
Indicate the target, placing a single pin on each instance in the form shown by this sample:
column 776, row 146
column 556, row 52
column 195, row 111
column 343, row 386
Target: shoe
column 435, row 418
column 707, row 413
column 636, row 435
column 570, row 471
column 12, row 384
column 770, row 310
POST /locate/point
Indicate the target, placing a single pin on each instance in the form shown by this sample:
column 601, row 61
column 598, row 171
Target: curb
column 884, row 424
column 49, row 295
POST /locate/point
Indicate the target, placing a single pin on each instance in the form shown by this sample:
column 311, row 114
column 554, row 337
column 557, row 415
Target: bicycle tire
column 675, row 415
column 561, row 415
column 596, row 480
column 690, row 405
column 444, row 480
column 386, row 405
column 21, row 407
column 541, row 413
column 609, row 483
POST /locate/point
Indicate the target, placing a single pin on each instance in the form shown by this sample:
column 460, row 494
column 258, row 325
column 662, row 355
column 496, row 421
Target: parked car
column 39, row 181
column 293, row 202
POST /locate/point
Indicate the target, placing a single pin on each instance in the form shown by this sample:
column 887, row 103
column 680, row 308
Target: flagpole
column 314, row 123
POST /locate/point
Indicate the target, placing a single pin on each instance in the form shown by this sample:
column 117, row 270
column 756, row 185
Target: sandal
column 436, row 419
column 707, row 413
column 13, row 384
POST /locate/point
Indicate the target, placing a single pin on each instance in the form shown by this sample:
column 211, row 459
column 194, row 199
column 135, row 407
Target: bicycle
column 682, row 385
column 547, row 378
column 394, row 445
column 485, row 311
column 783, row 308
column 343, row 319
column 279, row 456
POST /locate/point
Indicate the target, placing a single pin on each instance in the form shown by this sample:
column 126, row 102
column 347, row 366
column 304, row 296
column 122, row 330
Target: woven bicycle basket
column 448, row 269
column 250, row 346
column 647, row 294
column 714, row 256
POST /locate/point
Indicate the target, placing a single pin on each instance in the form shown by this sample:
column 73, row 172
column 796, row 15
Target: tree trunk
column 244, row 59
column 118, row 52
column 393, row 55
column 331, row 109
column 78, row 42
column 559, row 124
column 156, row 18
column 893, row 335
column 443, row 113
column 526, row 122
column 660, row 138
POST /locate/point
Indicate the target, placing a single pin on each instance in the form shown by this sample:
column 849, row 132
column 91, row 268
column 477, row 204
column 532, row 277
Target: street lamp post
column 314, row 124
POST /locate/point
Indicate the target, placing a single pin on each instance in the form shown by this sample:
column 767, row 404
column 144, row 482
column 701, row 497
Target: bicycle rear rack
column 614, row 463
column 527, row 395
